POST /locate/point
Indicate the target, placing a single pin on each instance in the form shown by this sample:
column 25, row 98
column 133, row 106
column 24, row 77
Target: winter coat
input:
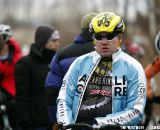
column 7, row 68
column 31, row 72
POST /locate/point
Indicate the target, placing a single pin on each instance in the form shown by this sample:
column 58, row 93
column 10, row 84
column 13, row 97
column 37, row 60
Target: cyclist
column 10, row 53
column 106, row 86
column 83, row 44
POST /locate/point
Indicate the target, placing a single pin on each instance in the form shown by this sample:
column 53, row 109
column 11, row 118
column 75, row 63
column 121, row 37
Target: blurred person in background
column 10, row 53
column 30, row 75
column 151, row 70
column 82, row 44
column 133, row 49
column 106, row 86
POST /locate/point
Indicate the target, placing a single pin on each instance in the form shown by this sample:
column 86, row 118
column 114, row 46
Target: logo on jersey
column 120, row 84
column 141, row 89
column 81, row 83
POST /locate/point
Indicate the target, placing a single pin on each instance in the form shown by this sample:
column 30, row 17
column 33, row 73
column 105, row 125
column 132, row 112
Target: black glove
column 60, row 125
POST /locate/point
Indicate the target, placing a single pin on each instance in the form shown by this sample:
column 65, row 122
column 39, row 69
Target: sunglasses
column 107, row 36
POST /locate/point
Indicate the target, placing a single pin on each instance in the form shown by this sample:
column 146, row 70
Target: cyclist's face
column 106, row 47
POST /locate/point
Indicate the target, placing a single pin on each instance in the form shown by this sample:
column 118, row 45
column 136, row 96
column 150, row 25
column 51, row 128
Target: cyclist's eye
column 99, row 37
column 110, row 37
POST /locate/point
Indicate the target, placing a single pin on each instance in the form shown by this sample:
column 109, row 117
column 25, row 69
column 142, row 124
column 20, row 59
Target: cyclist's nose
column 105, row 41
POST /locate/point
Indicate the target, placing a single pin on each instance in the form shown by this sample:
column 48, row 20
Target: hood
column 42, row 35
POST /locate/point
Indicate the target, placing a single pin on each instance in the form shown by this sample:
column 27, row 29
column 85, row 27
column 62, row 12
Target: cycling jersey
column 128, row 89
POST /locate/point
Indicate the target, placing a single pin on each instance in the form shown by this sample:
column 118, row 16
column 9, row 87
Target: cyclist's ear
column 119, row 39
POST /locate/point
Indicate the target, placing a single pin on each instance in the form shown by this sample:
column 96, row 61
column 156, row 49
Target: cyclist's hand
column 60, row 125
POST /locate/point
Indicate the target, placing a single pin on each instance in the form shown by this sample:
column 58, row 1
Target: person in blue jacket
column 106, row 86
column 82, row 44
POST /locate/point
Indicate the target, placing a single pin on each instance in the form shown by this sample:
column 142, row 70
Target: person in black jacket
column 30, row 75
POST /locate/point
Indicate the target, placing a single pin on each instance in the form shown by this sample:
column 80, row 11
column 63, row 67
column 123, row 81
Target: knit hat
column 43, row 34
column 86, row 19
column 54, row 35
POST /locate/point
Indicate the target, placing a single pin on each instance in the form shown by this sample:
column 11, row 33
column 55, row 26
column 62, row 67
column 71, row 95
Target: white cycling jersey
column 128, row 89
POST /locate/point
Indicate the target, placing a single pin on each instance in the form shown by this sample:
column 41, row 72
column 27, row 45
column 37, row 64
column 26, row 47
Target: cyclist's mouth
column 105, row 49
